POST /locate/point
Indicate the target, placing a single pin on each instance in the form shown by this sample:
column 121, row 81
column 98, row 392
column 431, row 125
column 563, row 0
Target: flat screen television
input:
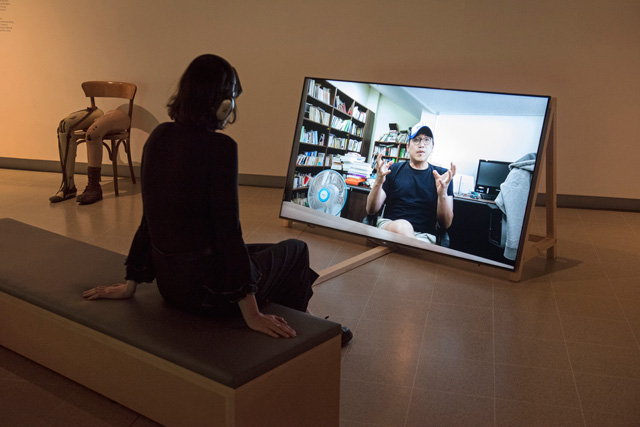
column 343, row 127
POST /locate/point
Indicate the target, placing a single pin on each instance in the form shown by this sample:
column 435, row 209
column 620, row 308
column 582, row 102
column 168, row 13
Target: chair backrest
column 106, row 89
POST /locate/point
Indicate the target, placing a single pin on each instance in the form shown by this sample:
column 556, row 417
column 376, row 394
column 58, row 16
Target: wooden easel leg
column 552, row 196
column 351, row 263
column 516, row 275
column 548, row 241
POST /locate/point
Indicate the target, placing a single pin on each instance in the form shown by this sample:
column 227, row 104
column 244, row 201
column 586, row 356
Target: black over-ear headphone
column 228, row 105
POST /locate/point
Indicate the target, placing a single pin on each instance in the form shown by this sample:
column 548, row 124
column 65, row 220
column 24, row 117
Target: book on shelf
column 339, row 104
column 300, row 200
column 336, row 162
column 354, row 145
column 358, row 115
column 361, row 169
column 301, row 180
column 317, row 91
column 310, row 158
column 390, row 136
column 355, row 130
column 389, row 150
column 311, row 137
column 318, row 115
column 403, row 137
column 337, row 142
column 333, row 161
column 340, row 124
column 355, row 164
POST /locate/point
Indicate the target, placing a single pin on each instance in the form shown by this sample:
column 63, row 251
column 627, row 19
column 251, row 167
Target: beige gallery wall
column 584, row 52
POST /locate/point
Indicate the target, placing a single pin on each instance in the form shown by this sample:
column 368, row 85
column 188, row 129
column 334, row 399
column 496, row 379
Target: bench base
column 303, row 391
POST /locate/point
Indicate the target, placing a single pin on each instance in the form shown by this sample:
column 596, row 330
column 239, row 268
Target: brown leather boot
column 93, row 192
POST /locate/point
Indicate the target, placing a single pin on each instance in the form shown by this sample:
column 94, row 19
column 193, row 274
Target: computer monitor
column 491, row 173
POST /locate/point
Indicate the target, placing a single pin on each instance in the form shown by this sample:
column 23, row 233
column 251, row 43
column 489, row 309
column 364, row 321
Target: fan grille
column 328, row 192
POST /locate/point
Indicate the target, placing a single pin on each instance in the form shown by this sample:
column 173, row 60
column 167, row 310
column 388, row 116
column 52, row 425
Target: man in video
column 417, row 196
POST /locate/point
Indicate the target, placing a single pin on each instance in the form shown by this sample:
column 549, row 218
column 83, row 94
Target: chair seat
column 116, row 135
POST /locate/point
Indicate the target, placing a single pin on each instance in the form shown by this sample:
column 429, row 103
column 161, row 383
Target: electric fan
column 327, row 192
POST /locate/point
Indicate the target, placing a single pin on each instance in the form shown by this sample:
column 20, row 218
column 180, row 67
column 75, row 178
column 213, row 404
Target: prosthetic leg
column 67, row 144
column 112, row 121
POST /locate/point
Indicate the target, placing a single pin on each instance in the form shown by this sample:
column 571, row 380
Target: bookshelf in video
column 333, row 132
column 392, row 146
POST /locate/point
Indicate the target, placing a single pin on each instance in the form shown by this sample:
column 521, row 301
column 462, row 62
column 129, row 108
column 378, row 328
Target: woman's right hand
column 117, row 291
column 269, row 324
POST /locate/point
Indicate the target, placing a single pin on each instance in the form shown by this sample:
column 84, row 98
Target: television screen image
column 443, row 170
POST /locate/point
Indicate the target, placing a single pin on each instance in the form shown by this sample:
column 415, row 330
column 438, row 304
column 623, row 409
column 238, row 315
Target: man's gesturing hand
column 442, row 181
column 382, row 168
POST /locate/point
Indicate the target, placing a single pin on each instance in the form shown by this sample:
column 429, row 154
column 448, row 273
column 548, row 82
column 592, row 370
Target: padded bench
column 172, row 367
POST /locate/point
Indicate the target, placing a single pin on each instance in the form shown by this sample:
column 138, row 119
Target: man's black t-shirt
column 412, row 196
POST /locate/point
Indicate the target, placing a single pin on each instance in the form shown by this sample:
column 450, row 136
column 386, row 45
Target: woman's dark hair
column 206, row 82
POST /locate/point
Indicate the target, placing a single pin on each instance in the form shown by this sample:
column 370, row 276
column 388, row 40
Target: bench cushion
column 51, row 271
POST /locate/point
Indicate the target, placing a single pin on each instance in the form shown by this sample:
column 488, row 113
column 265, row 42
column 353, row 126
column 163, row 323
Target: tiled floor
column 437, row 342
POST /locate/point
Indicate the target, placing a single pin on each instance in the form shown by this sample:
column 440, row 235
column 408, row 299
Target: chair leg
column 127, row 147
column 114, row 161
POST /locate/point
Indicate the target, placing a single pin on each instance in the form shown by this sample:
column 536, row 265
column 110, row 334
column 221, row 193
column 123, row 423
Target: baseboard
column 54, row 166
column 262, row 180
column 563, row 200
column 123, row 170
column 592, row 202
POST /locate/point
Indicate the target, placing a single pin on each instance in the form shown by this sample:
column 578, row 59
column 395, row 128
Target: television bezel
column 467, row 257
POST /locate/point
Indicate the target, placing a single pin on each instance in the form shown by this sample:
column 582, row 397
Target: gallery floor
column 438, row 342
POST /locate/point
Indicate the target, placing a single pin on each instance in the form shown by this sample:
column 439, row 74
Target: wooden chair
column 106, row 89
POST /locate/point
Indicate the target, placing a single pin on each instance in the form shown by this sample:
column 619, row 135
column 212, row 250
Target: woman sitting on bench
column 190, row 239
